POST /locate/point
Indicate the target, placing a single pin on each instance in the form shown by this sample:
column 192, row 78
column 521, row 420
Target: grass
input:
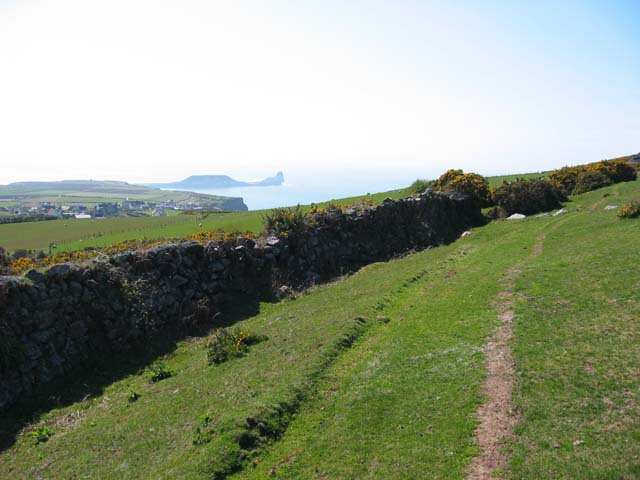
column 497, row 181
column 577, row 341
column 378, row 374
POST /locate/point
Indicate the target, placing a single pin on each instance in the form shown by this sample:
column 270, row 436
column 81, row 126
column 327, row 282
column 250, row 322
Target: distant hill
column 92, row 192
column 220, row 181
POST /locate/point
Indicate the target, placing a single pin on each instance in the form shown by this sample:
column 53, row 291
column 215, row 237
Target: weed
column 41, row 435
column 225, row 344
column 201, row 432
column 160, row 371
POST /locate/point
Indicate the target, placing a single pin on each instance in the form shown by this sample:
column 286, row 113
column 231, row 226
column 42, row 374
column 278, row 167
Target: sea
column 303, row 191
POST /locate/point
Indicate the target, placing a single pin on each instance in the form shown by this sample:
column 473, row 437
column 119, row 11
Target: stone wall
column 54, row 321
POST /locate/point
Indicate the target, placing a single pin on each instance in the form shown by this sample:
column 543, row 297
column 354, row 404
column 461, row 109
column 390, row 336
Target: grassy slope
column 400, row 402
column 577, row 346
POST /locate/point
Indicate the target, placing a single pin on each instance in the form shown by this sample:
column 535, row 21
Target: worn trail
column 496, row 416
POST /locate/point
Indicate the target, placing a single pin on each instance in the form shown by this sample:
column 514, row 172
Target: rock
column 217, row 266
column 610, row 207
column 560, row 212
column 516, row 216
column 543, row 215
column 35, row 276
column 76, row 288
column 179, row 280
column 246, row 242
column 77, row 330
column 58, row 270
column 41, row 336
column 273, row 242
column 467, row 233
column 285, row 291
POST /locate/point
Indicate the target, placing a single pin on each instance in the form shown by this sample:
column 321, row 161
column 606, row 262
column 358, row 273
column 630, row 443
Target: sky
column 156, row 90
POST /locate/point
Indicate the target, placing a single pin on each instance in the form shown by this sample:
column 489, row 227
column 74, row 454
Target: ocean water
column 303, row 192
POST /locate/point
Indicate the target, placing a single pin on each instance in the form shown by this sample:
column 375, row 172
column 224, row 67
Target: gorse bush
column 284, row 221
column 225, row 344
column 21, row 265
column 630, row 210
column 617, row 170
column 565, row 179
column 575, row 180
column 527, row 196
column 469, row 183
column 590, row 180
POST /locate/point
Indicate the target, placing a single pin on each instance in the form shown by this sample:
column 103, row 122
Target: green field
column 497, row 181
column 72, row 234
column 378, row 374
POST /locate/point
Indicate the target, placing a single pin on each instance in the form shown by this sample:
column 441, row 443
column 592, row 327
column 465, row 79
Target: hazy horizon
column 154, row 91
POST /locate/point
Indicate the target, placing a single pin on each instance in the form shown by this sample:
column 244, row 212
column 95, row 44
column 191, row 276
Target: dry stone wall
column 52, row 322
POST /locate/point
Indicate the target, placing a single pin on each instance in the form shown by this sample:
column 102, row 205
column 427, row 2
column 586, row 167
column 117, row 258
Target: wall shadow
column 90, row 381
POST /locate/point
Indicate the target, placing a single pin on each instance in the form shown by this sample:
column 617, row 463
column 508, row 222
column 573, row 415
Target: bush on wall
column 527, row 196
column 469, row 183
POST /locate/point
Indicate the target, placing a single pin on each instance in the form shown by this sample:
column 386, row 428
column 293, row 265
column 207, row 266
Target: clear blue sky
column 153, row 90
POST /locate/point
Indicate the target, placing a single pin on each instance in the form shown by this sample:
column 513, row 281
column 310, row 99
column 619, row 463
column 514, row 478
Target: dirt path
column 496, row 416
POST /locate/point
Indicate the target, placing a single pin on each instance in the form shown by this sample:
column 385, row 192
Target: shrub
column 160, row 371
column 590, row 180
column 41, row 435
column 21, row 265
column 630, row 210
column 225, row 344
column 527, row 196
column 133, row 397
column 565, row 179
column 284, row 221
column 616, row 170
column 420, row 185
column 469, row 183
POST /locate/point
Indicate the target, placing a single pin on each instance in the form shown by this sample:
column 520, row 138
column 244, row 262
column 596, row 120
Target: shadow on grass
column 96, row 374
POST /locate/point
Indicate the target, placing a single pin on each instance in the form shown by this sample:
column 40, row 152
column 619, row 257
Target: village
column 101, row 210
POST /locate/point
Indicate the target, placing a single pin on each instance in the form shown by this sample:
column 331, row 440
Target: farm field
column 73, row 234
column 379, row 374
